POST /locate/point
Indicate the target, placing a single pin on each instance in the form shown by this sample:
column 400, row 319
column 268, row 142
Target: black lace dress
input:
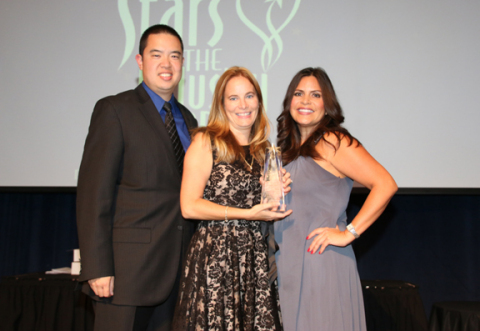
column 225, row 284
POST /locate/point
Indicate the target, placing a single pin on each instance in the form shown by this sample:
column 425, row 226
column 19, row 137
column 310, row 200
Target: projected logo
column 268, row 49
column 210, row 27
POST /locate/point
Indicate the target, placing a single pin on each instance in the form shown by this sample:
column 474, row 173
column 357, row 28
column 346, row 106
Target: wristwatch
column 351, row 228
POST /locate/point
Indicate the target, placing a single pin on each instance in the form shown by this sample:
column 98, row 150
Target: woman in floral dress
column 225, row 284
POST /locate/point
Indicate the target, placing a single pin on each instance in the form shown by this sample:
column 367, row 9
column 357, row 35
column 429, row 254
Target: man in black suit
column 130, row 227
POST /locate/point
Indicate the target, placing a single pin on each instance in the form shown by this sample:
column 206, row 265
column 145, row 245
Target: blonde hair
column 218, row 131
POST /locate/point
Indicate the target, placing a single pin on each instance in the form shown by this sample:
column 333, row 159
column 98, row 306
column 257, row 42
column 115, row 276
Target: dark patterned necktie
column 173, row 134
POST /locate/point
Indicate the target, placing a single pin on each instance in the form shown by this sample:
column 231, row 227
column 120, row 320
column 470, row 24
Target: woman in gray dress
column 318, row 281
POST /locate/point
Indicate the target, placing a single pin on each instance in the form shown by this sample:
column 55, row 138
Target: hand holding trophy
column 272, row 186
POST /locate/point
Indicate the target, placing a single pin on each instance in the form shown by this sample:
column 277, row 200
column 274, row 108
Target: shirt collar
column 157, row 100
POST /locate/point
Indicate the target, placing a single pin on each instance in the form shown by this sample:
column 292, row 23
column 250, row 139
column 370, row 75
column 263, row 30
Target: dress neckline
column 308, row 157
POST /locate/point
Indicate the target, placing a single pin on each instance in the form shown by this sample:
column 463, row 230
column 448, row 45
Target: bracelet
column 226, row 213
column 351, row 228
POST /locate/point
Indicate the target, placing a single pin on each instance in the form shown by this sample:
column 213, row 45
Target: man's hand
column 103, row 286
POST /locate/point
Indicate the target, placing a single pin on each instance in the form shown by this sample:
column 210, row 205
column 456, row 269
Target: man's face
column 161, row 64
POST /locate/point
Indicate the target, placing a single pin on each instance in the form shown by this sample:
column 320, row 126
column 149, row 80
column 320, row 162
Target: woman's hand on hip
column 328, row 236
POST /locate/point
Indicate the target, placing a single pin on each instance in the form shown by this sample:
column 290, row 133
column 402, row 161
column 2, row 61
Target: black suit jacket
column 128, row 210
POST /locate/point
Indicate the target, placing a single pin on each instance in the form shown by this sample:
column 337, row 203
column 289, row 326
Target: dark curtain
column 431, row 241
column 37, row 232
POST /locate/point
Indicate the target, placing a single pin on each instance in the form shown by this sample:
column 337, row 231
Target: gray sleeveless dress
column 317, row 292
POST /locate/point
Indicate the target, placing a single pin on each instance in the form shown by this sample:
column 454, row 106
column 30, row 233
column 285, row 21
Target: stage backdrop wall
column 431, row 241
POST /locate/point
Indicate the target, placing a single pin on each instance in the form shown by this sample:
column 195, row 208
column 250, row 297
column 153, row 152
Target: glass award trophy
column 272, row 187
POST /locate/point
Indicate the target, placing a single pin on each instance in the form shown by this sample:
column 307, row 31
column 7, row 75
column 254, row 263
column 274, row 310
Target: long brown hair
column 218, row 129
column 288, row 133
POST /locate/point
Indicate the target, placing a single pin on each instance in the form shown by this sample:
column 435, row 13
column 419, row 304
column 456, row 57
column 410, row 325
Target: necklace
column 249, row 165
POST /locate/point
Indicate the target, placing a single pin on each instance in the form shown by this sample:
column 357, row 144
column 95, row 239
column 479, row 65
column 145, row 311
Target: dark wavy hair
column 288, row 134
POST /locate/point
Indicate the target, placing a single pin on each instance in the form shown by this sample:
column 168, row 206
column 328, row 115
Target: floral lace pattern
column 225, row 285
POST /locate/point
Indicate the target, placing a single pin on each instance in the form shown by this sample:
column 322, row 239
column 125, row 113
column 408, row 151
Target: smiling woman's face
column 307, row 107
column 240, row 101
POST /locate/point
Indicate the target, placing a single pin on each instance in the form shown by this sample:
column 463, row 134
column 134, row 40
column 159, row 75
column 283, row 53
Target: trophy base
column 280, row 200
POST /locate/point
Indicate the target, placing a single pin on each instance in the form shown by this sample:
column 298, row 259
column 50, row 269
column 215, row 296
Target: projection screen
column 407, row 74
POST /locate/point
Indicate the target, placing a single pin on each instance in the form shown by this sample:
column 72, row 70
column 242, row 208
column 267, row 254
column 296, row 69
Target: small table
column 393, row 305
column 42, row 302
column 455, row 316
